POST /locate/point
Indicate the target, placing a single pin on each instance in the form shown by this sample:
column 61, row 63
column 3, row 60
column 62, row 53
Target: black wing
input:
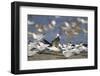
column 46, row 42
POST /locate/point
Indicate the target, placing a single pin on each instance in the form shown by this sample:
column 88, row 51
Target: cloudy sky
column 56, row 24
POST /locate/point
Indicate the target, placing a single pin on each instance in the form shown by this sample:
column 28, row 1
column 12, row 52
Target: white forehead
column 57, row 34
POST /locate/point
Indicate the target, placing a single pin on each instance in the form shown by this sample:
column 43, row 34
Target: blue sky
column 50, row 34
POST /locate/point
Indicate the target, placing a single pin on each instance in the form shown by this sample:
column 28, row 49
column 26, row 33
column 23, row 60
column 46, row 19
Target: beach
column 46, row 55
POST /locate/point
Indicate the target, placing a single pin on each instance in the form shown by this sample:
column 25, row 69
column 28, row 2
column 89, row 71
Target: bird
column 53, row 48
column 52, row 24
column 79, row 48
column 31, row 45
column 41, row 46
column 84, row 30
column 32, row 53
column 36, row 47
column 83, row 47
column 46, row 42
column 30, row 22
column 37, row 36
column 69, row 50
column 75, row 50
column 70, row 29
column 32, row 49
column 67, row 25
column 83, row 21
column 68, row 45
column 55, row 44
column 39, row 28
column 75, row 26
column 66, row 51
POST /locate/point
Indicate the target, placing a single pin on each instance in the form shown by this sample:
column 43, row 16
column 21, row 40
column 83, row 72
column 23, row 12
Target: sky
column 50, row 34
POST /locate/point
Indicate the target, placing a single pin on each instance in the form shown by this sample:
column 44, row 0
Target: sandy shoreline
column 53, row 56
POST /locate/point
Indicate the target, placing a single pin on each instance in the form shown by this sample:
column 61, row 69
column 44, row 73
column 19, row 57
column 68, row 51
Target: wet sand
column 55, row 55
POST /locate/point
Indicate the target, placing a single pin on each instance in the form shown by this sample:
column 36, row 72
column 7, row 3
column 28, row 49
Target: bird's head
column 57, row 35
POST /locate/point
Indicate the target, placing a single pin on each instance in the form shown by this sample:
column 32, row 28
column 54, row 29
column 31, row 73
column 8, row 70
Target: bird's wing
column 46, row 42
